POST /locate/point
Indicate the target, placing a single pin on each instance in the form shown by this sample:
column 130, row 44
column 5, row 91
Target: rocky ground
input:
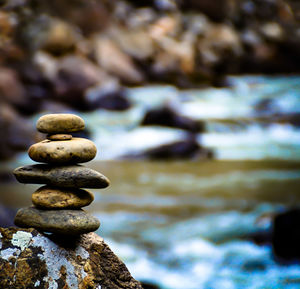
column 81, row 54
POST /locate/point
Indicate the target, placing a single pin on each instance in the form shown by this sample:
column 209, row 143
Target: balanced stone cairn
column 57, row 206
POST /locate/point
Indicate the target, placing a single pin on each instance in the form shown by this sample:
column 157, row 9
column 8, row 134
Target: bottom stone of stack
column 64, row 222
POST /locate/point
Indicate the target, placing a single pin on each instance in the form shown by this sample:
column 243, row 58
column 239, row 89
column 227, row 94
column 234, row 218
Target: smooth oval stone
column 54, row 198
column 59, row 123
column 66, row 222
column 74, row 176
column 55, row 137
column 76, row 150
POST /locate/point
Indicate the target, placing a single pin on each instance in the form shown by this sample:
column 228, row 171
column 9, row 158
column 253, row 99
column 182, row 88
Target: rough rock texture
column 76, row 150
column 65, row 222
column 56, row 198
column 63, row 176
column 29, row 259
column 60, row 123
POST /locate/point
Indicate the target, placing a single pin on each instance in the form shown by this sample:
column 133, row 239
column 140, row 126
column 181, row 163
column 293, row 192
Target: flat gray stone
column 65, row 222
column 74, row 176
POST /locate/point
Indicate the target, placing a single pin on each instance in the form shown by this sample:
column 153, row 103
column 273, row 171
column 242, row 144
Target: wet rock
column 65, row 222
column 291, row 118
column 61, row 176
column 54, row 198
column 55, row 137
column 109, row 96
column 166, row 116
column 29, row 258
column 114, row 102
column 76, row 150
column 185, row 149
column 286, row 235
column 60, row 123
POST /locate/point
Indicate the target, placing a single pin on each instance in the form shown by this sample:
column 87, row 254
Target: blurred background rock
column 194, row 106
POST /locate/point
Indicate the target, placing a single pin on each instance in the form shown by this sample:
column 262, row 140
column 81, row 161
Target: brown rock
column 61, row 176
column 76, row 150
column 11, row 88
column 59, row 137
column 16, row 132
column 43, row 262
column 60, row 123
column 114, row 60
column 54, row 198
column 65, row 222
column 60, row 37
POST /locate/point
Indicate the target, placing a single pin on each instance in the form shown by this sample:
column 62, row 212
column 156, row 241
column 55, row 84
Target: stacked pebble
column 57, row 206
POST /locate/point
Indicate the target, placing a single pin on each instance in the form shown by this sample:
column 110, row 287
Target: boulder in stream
column 187, row 148
column 165, row 116
column 286, row 235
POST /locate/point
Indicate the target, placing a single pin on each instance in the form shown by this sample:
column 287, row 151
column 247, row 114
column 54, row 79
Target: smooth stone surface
column 74, row 176
column 76, row 150
column 54, row 198
column 55, row 137
column 59, row 123
column 66, row 222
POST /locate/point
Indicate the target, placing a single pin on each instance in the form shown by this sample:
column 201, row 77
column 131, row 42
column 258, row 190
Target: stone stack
column 58, row 205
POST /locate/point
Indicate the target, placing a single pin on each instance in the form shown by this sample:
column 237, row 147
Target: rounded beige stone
column 59, row 123
column 56, row 137
column 57, row 198
column 66, row 222
column 76, row 150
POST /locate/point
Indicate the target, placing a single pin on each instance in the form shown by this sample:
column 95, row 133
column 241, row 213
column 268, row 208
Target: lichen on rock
column 29, row 259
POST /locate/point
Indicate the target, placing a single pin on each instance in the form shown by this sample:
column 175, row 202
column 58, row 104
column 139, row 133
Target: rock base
column 29, row 259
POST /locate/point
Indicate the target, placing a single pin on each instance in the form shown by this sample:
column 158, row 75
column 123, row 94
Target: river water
column 188, row 224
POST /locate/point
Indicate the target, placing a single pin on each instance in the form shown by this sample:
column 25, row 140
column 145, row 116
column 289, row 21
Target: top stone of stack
column 61, row 147
column 60, row 123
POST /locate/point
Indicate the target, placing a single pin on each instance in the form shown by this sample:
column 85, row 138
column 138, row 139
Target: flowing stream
column 188, row 224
